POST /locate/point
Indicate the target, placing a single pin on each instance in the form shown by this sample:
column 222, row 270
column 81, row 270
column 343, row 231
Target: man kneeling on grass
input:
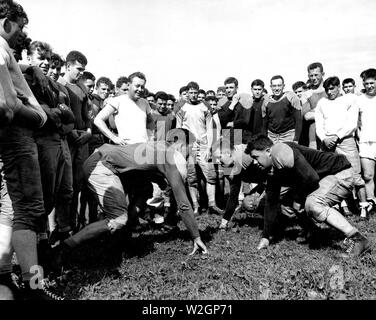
column 319, row 179
column 106, row 170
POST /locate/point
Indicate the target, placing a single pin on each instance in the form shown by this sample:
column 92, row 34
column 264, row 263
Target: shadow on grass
column 103, row 257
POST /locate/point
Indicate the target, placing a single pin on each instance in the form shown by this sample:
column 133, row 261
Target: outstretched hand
column 263, row 244
column 198, row 244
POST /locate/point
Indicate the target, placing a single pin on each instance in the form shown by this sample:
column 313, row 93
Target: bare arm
column 100, row 122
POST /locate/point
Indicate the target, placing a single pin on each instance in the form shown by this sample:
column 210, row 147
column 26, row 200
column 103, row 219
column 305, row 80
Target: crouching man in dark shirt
column 108, row 167
column 319, row 179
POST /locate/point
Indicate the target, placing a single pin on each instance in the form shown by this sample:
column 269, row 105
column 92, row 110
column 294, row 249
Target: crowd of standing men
column 81, row 157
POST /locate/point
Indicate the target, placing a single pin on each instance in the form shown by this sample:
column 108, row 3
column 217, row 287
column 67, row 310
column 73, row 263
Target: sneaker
column 356, row 245
column 43, row 292
column 215, row 210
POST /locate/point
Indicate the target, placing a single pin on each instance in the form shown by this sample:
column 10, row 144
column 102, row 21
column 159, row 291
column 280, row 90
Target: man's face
column 184, row 96
column 150, row 99
column 103, row 90
column 54, row 72
column 299, row 92
column 333, row 92
column 162, row 106
column 170, row 104
column 123, row 89
column 213, row 104
column 348, row 88
column 315, row 77
column 40, row 59
column 370, row 86
column 192, row 95
column 231, row 90
column 136, row 88
column 221, row 94
column 75, row 70
column 277, row 87
column 257, row 91
column 89, row 85
column 262, row 157
column 16, row 27
column 201, row 97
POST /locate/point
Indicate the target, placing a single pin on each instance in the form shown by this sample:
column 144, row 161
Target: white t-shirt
column 195, row 119
column 130, row 118
column 337, row 117
column 367, row 109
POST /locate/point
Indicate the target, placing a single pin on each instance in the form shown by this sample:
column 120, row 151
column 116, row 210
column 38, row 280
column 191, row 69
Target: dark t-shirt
column 154, row 157
column 79, row 105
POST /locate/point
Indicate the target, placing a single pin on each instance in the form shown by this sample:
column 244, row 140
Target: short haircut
column 120, row 81
column 202, row 91
column 210, row 93
column 331, row 81
column 150, row 94
column 221, row 88
column 368, row 74
column 56, row 60
column 193, row 85
column 257, row 82
column 182, row 89
column 12, row 11
column 86, row 75
column 231, row 80
column 137, row 74
column 258, row 142
column 171, row 97
column 161, row 95
column 315, row 65
column 74, row 56
column 38, row 46
column 348, row 80
column 299, row 84
column 208, row 98
column 276, row 78
column 104, row 80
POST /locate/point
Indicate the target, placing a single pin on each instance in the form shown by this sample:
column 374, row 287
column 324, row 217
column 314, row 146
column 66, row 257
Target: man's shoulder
column 143, row 102
column 282, row 156
column 246, row 100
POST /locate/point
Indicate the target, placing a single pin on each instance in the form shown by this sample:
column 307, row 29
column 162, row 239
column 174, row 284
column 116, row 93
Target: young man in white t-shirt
column 196, row 117
column 367, row 132
column 132, row 114
column 336, row 122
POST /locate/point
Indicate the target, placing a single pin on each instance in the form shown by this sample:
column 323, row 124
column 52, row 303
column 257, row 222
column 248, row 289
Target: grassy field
column 156, row 265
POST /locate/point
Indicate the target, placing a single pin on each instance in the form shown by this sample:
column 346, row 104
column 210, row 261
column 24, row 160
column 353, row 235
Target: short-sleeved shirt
column 195, row 118
column 130, row 118
column 367, row 108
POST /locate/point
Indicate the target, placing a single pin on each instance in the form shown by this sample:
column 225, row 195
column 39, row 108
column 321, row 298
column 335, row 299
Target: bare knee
column 316, row 209
column 368, row 176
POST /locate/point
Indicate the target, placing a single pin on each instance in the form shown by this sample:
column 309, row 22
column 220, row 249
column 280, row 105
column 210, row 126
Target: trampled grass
column 155, row 265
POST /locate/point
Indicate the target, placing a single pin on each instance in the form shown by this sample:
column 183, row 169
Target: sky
column 176, row 41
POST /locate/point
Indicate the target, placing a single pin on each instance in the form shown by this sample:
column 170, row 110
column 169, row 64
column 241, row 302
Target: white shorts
column 367, row 150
